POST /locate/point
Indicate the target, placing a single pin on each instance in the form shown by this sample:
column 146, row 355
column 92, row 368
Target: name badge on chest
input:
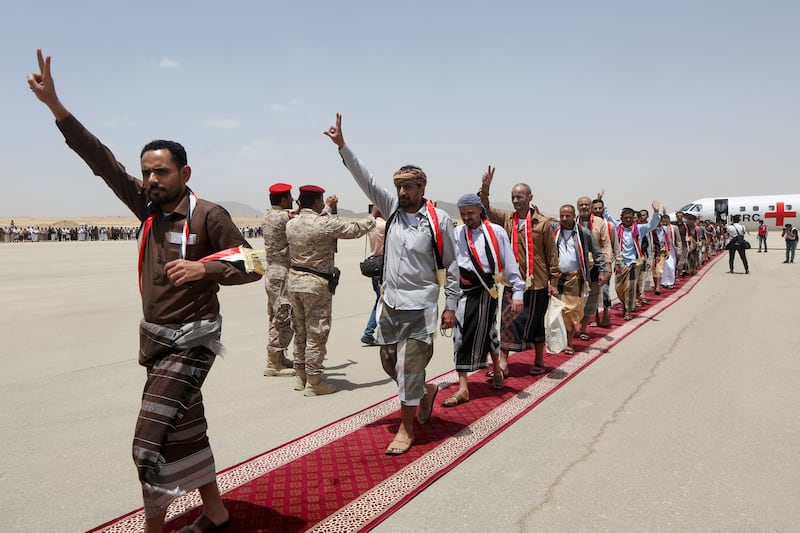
column 175, row 238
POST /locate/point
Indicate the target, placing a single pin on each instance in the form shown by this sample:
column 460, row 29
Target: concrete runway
column 689, row 424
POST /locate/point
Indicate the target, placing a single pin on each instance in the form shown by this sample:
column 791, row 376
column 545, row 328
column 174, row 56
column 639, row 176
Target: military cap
column 279, row 188
column 311, row 189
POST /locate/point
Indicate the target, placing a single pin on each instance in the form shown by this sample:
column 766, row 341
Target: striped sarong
column 475, row 333
column 170, row 446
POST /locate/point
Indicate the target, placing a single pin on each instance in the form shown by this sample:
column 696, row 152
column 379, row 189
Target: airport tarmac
column 689, row 424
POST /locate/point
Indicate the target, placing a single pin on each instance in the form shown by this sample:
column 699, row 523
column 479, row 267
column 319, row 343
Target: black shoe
column 786, row 261
column 368, row 340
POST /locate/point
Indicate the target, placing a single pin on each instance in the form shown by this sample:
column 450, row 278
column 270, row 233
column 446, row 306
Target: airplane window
column 686, row 208
column 755, row 208
column 788, row 207
column 741, row 208
column 697, row 208
column 771, row 207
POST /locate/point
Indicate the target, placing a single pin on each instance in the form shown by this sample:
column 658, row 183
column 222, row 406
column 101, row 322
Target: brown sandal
column 405, row 445
column 455, row 399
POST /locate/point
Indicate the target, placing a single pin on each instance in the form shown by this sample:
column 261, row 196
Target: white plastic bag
column 555, row 332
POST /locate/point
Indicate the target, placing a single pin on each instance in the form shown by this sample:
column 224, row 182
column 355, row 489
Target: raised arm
column 381, row 197
column 41, row 83
column 334, row 133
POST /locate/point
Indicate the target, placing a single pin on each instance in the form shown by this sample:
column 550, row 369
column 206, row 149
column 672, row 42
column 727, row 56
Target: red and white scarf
column 528, row 246
column 578, row 247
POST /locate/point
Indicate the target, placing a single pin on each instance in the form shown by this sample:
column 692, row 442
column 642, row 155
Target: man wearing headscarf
column 485, row 258
column 419, row 258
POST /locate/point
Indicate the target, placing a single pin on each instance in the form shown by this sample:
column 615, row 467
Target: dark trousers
column 742, row 256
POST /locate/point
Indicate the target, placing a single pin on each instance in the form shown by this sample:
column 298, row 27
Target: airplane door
column 721, row 210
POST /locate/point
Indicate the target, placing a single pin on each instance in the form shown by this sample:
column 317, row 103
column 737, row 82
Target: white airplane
column 776, row 210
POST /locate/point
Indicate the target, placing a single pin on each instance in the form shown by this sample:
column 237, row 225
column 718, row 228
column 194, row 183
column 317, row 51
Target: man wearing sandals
column 419, row 258
column 532, row 240
column 598, row 227
column 575, row 244
column 186, row 246
column 630, row 256
column 485, row 258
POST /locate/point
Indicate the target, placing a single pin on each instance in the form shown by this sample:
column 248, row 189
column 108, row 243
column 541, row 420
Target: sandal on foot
column 204, row 525
column 455, row 399
column 569, row 351
column 426, row 406
column 537, row 370
column 399, row 445
column 583, row 336
column 498, row 381
column 627, row 317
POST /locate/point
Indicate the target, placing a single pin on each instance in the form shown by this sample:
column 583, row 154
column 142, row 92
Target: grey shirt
column 410, row 281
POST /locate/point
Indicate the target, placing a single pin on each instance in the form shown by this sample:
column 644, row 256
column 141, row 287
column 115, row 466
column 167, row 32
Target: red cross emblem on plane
column 779, row 214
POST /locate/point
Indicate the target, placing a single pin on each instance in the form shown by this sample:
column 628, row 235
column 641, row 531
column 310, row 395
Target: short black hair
column 598, row 201
column 307, row 199
column 627, row 211
column 177, row 150
column 275, row 198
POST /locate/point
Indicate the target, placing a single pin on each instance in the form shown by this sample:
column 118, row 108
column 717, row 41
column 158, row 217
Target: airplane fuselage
column 775, row 210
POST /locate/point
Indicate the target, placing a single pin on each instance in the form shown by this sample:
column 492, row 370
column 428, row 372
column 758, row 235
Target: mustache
column 155, row 188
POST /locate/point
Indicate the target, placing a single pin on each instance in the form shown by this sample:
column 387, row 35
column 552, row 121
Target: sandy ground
column 686, row 425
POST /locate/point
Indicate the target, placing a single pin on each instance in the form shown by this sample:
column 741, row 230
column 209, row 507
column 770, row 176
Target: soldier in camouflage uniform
column 279, row 309
column 312, row 237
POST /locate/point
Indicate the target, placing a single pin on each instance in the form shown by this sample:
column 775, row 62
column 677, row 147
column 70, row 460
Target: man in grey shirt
column 419, row 258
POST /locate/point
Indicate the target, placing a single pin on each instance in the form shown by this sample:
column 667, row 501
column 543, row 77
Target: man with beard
column 682, row 266
column 485, row 258
column 188, row 247
column 576, row 245
column 667, row 246
column 631, row 257
column 598, row 227
column 645, row 274
column 598, row 207
column 419, row 258
column 532, row 241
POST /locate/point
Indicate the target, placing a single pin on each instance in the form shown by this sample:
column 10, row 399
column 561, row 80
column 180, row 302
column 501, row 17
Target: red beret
column 311, row 189
column 279, row 188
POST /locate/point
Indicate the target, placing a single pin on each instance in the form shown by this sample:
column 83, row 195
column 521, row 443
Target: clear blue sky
column 647, row 100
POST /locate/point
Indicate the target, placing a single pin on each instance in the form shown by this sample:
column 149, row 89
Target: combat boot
column 300, row 379
column 317, row 387
column 276, row 367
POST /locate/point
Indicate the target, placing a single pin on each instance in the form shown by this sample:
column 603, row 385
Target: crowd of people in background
column 15, row 233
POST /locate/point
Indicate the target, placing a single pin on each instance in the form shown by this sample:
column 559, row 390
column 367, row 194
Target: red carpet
column 338, row 479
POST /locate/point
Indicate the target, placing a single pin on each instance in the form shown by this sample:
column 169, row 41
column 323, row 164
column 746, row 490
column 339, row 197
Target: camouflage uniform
column 312, row 244
column 279, row 309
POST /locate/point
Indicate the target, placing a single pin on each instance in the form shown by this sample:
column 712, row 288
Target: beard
column 159, row 195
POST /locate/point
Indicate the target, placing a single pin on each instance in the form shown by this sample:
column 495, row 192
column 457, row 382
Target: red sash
column 528, row 243
column 491, row 237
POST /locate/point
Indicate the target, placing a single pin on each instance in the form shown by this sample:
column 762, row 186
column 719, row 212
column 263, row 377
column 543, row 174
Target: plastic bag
column 555, row 332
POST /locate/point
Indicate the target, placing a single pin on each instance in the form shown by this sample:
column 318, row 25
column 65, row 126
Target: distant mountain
column 240, row 210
